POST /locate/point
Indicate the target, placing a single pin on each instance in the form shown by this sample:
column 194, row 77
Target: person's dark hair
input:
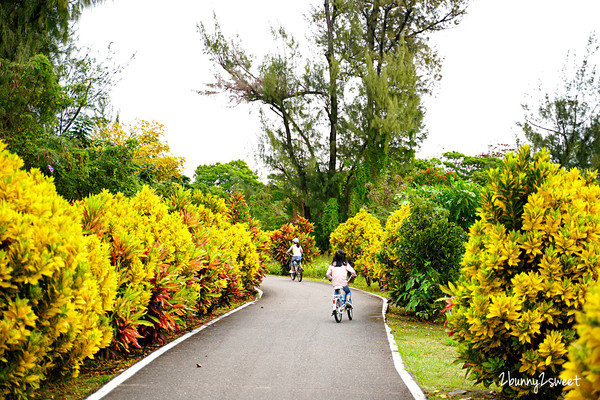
column 339, row 258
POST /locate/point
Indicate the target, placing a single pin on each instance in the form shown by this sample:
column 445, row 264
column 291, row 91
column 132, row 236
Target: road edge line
column 408, row 380
column 135, row 368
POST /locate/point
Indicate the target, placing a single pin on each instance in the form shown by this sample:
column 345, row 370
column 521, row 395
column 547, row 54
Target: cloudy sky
column 493, row 60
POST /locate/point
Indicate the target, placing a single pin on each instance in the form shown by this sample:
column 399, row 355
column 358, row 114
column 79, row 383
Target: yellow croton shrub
column 391, row 236
column 51, row 304
column 360, row 237
column 583, row 367
column 527, row 265
column 154, row 256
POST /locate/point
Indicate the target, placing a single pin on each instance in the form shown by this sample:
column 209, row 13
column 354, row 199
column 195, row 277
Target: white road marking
column 413, row 387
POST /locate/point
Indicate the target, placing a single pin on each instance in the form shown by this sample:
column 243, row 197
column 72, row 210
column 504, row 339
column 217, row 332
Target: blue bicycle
column 340, row 305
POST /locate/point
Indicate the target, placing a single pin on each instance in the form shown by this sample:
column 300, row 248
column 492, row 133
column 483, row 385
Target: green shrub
column 461, row 199
column 421, row 253
column 525, row 271
column 51, row 304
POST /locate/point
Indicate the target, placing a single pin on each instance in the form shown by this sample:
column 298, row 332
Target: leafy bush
column 213, row 211
column 461, row 199
column 154, row 254
column 238, row 208
column 391, row 235
column 583, row 367
column 525, row 271
column 422, row 252
column 239, row 212
column 51, row 303
column 232, row 255
column 360, row 237
column 173, row 281
column 281, row 240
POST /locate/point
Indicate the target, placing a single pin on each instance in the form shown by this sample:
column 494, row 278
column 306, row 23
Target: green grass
column 316, row 269
column 430, row 354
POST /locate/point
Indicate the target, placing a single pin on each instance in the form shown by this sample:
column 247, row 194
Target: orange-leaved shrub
column 281, row 240
column 52, row 306
column 525, row 271
column 360, row 237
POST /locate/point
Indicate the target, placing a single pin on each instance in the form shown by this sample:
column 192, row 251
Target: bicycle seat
column 337, row 287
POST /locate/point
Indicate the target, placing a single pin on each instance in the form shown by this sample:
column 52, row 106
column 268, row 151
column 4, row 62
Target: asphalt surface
column 284, row 346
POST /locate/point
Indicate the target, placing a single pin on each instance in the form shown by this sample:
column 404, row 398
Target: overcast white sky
column 492, row 61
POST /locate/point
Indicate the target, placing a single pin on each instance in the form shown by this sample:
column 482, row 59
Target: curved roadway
column 284, row 346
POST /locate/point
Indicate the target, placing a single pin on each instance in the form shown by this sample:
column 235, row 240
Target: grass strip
column 429, row 354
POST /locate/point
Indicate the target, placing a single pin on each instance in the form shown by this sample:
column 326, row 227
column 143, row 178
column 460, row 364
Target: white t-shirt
column 295, row 250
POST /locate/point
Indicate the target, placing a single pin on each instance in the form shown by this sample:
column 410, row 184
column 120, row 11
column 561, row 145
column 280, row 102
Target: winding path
column 284, row 346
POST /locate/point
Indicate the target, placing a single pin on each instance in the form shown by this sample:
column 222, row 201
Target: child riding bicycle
column 296, row 251
column 337, row 273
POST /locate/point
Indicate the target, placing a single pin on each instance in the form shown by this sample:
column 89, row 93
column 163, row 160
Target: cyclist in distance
column 337, row 273
column 295, row 251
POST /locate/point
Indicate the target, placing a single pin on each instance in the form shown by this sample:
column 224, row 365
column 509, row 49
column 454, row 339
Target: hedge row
column 108, row 272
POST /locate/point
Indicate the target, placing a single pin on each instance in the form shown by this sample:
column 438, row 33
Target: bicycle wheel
column 338, row 312
column 350, row 313
column 299, row 274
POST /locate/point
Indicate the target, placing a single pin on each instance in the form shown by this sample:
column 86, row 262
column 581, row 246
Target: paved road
column 285, row 346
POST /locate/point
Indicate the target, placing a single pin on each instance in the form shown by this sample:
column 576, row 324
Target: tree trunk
column 333, row 98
